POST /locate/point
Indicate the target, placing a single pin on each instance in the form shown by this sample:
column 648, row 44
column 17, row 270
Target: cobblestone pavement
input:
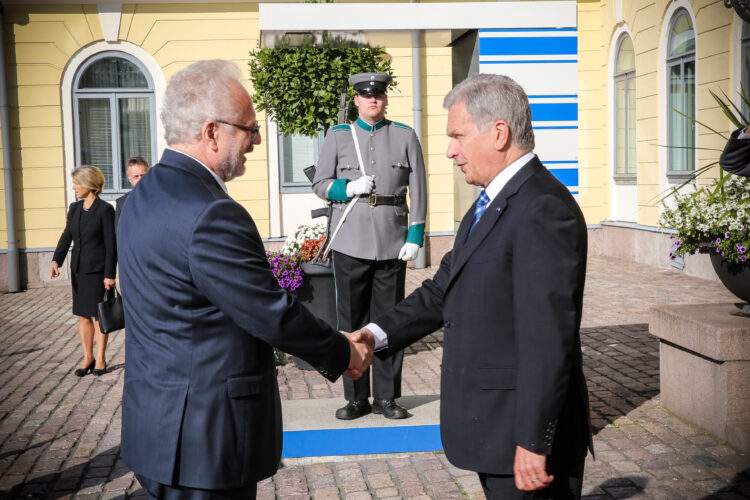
column 59, row 435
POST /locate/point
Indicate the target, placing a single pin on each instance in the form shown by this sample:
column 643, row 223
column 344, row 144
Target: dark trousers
column 566, row 486
column 158, row 491
column 364, row 290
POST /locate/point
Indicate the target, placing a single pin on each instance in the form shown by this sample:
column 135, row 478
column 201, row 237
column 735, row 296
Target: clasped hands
column 361, row 348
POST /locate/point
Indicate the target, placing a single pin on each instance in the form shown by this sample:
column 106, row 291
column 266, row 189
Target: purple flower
column 743, row 258
column 727, row 235
column 678, row 243
column 671, row 255
column 718, row 250
column 722, row 254
column 718, row 240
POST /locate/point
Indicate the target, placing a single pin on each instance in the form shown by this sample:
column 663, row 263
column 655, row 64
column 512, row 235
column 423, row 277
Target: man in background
column 137, row 168
column 736, row 156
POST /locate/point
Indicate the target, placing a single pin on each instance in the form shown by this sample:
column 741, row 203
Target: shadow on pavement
column 620, row 488
column 89, row 475
column 621, row 365
column 739, row 488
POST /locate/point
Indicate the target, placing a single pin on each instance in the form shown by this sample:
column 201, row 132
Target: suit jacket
column 93, row 238
column 509, row 300
column 736, row 156
column 119, row 203
column 201, row 403
column 392, row 153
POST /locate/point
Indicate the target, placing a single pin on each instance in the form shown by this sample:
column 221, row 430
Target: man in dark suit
column 514, row 403
column 201, row 409
column 736, row 156
column 136, row 169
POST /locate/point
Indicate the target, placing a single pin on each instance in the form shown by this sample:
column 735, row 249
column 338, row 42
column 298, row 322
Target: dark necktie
column 480, row 207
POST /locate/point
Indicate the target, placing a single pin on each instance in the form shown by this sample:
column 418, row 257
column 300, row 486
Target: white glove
column 363, row 185
column 408, row 251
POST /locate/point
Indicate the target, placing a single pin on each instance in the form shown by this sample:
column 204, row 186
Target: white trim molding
column 110, row 15
column 421, row 16
column 623, row 198
column 66, row 98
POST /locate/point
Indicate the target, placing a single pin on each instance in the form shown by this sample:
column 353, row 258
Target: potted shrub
column 714, row 218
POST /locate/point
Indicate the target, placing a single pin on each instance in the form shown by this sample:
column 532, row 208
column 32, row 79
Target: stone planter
column 318, row 294
column 704, row 367
column 735, row 277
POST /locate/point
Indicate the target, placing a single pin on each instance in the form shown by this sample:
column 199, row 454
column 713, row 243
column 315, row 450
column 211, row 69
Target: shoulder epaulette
column 402, row 125
column 343, row 126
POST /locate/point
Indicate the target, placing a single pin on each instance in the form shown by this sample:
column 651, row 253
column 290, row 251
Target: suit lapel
column 464, row 247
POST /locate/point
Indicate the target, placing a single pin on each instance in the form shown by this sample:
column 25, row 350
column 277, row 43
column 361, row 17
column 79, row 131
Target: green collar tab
column 371, row 128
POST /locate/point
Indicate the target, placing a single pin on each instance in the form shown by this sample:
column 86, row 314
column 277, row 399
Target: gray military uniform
column 391, row 153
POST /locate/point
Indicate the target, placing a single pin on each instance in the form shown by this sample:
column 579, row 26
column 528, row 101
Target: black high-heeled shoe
column 99, row 372
column 80, row 372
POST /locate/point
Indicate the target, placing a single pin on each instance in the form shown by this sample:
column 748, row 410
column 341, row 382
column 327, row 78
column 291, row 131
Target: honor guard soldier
column 373, row 230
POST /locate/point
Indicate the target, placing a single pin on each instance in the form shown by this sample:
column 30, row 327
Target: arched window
column 625, row 166
column 681, row 95
column 113, row 106
column 745, row 65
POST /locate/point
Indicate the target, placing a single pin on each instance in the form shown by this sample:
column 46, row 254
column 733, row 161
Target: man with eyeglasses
column 365, row 169
column 201, row 413
column 137, row 167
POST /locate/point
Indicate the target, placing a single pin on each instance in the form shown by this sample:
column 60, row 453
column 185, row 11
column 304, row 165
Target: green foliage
column 301, row 86
column 279, row 357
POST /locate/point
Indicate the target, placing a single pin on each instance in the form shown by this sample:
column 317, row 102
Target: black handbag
column 111, row 314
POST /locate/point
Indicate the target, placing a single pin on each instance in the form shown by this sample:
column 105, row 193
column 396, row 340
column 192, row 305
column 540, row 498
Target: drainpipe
column 14, row 281
column 416, row 72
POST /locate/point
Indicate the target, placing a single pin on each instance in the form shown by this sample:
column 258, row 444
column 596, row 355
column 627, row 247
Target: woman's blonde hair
column 89, row 177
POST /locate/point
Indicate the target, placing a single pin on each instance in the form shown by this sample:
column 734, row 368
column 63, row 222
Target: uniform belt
column 375, row 199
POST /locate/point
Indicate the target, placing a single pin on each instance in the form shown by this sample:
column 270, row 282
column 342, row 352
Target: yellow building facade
column 49, row 45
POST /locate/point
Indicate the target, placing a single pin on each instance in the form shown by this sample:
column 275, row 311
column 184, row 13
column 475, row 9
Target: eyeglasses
column 255, row 130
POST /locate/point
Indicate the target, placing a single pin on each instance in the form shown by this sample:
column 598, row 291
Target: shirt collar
column 218, row 179
column 371, row 128
column 498, row 183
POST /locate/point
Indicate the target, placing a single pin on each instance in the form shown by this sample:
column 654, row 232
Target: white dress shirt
column 218, row 179
column 493, row 189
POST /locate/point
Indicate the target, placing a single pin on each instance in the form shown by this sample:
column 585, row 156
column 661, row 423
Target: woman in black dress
column 91, row 228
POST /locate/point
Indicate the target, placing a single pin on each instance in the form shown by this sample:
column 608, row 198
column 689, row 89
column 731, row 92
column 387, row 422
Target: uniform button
column 447, row 324
column 372, row 149
column 372, row 161
column 372, row 135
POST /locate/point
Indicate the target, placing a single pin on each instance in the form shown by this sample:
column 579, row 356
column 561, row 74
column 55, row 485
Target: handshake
column 361, row 348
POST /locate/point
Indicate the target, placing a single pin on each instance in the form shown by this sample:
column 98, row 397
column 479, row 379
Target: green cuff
column 416, row 234
column 337, row 191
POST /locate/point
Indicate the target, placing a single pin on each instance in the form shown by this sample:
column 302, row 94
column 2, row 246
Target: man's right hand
column 360, row 354
column 54, row 272
column 363, row 185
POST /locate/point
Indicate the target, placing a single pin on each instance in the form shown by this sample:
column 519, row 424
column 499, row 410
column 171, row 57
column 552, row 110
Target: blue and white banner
column 544, row 61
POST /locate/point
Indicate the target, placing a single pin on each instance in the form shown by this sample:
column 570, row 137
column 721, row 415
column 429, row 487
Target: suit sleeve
column 736, row 156
column 63, row 244
column 417, row 192
column 229, row 266
column 326, row 183
column 110, row 243
column 418, row 315
column 548, row 271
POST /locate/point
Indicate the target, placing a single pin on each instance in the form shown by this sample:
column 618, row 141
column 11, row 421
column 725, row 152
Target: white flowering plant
column 304, row 240
column 714, row 218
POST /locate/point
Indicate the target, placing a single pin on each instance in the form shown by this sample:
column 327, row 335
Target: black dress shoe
column 389, row 409
column 354, row 409
column 80, row 372
column 99, row 372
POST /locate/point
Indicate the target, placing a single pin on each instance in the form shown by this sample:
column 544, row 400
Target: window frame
column 113, row 94
column 297, row 187
column 676, row 176
column 626, row 77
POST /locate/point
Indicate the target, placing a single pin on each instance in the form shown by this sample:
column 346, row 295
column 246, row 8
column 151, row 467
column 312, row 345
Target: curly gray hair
column 489, row 98
column 197, row 94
